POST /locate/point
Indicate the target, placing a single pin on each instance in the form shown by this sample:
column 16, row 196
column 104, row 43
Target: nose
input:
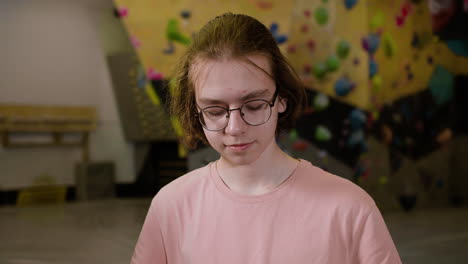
column 236, row 125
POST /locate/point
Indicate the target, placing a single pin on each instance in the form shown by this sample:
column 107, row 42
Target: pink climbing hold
column 154, row 75
column 291, row 48
column 400, row 21
column 122, row 11
column 406, row 9
column 136, row 43
column 311, row 44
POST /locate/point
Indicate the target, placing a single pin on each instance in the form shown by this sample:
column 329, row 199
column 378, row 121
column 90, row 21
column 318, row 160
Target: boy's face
column 230, row 83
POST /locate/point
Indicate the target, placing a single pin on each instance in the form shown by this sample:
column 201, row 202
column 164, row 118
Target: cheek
column 269, row 128
column 213, row 138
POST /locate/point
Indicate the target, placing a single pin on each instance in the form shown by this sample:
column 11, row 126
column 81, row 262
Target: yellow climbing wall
column 409, row 70
column 313, row 41
column 315, row 29
column 147, row 21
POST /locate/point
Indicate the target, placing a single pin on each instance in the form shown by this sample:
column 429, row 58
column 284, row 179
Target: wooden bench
column 56, row 122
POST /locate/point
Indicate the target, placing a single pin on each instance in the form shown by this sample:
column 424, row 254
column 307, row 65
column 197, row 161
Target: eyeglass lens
column 254, row 113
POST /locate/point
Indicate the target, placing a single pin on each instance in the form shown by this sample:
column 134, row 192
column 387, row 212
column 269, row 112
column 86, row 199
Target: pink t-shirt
column 312, row 217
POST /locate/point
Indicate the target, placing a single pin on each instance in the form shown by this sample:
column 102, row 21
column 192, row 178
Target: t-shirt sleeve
column 374, row 243
column 150, row 245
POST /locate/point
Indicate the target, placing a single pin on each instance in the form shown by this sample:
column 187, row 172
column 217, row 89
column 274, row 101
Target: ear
column 282, row 104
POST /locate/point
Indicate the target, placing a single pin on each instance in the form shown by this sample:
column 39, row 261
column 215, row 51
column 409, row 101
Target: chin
column 240, row 158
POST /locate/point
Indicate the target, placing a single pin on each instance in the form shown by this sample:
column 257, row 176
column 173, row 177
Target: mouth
column 239, row 147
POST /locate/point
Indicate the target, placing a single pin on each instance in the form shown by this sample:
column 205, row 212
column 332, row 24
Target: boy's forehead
column 257, row 65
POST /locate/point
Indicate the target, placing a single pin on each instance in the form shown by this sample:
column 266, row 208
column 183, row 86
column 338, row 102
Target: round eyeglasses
column 254, row 112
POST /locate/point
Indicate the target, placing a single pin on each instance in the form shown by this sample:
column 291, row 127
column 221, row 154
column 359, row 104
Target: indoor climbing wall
column 324, row 48
column 161, row 30
column 417, row 71
column 386, row 79
column 409, row 56
column 419, row 75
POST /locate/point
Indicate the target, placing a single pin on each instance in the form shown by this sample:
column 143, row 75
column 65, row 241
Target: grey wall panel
column 142, row 120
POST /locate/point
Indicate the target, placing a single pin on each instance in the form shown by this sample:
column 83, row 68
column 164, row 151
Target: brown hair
column 232, row 36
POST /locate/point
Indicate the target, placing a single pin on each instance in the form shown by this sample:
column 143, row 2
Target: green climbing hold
column 319, row 70
column 389, row 45
column 293, row 135
column 377, row 82
column 173, row 33
column 321, row 102
column 342, row 49
column 333, row 63
column 322, row 134
column 321, row 15
column 377, row 21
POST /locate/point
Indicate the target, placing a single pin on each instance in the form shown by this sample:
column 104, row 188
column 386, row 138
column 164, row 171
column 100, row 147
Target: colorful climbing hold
column 185, row 14
column 307, row 68
column 430, row 60
column 377, row 21
column 292, row 48
column 321, row 15
column 399, row 20
column 377, row 82
column 458, row 46
column 343, row 86
column 122, row 11
column 300, row 145
column 311, row 44
column 371, row 43
column 357, row 119
column 319, row 70
column 333, row 63
column 356, row 138
column 373, row 67
column 136, row 43
column 279, row 38
column 441, row 85
column 389, row 45
column 342, row 49
column 322, row 134
column 293, row 134
column 383, row 180
column 154, row 75
column 173, row 33
column 321, row 102
column 349, row 4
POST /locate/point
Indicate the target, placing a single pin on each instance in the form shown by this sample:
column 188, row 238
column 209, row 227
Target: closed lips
column 238, row 145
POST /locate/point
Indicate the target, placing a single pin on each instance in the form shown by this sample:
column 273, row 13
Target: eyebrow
column 252, row 95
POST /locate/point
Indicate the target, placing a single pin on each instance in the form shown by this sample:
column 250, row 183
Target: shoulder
column 183, row 188
column 335, row 190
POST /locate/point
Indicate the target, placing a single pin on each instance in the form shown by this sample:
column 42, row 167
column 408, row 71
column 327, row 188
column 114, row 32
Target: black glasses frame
column 271, row 103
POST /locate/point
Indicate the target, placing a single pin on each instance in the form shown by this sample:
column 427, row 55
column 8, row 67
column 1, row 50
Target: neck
column 261, row 176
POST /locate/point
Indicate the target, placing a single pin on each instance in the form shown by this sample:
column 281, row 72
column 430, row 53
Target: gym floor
column 106, row 232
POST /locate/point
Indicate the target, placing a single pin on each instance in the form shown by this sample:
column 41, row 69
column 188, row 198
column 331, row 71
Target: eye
column 256, row 105
column 214, row 112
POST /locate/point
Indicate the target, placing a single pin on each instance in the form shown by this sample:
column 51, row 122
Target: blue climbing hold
column 279, row 38
column 343, row 86
column 441, row 85
column 349, row 4
column 358, row 119
column 373, row 68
